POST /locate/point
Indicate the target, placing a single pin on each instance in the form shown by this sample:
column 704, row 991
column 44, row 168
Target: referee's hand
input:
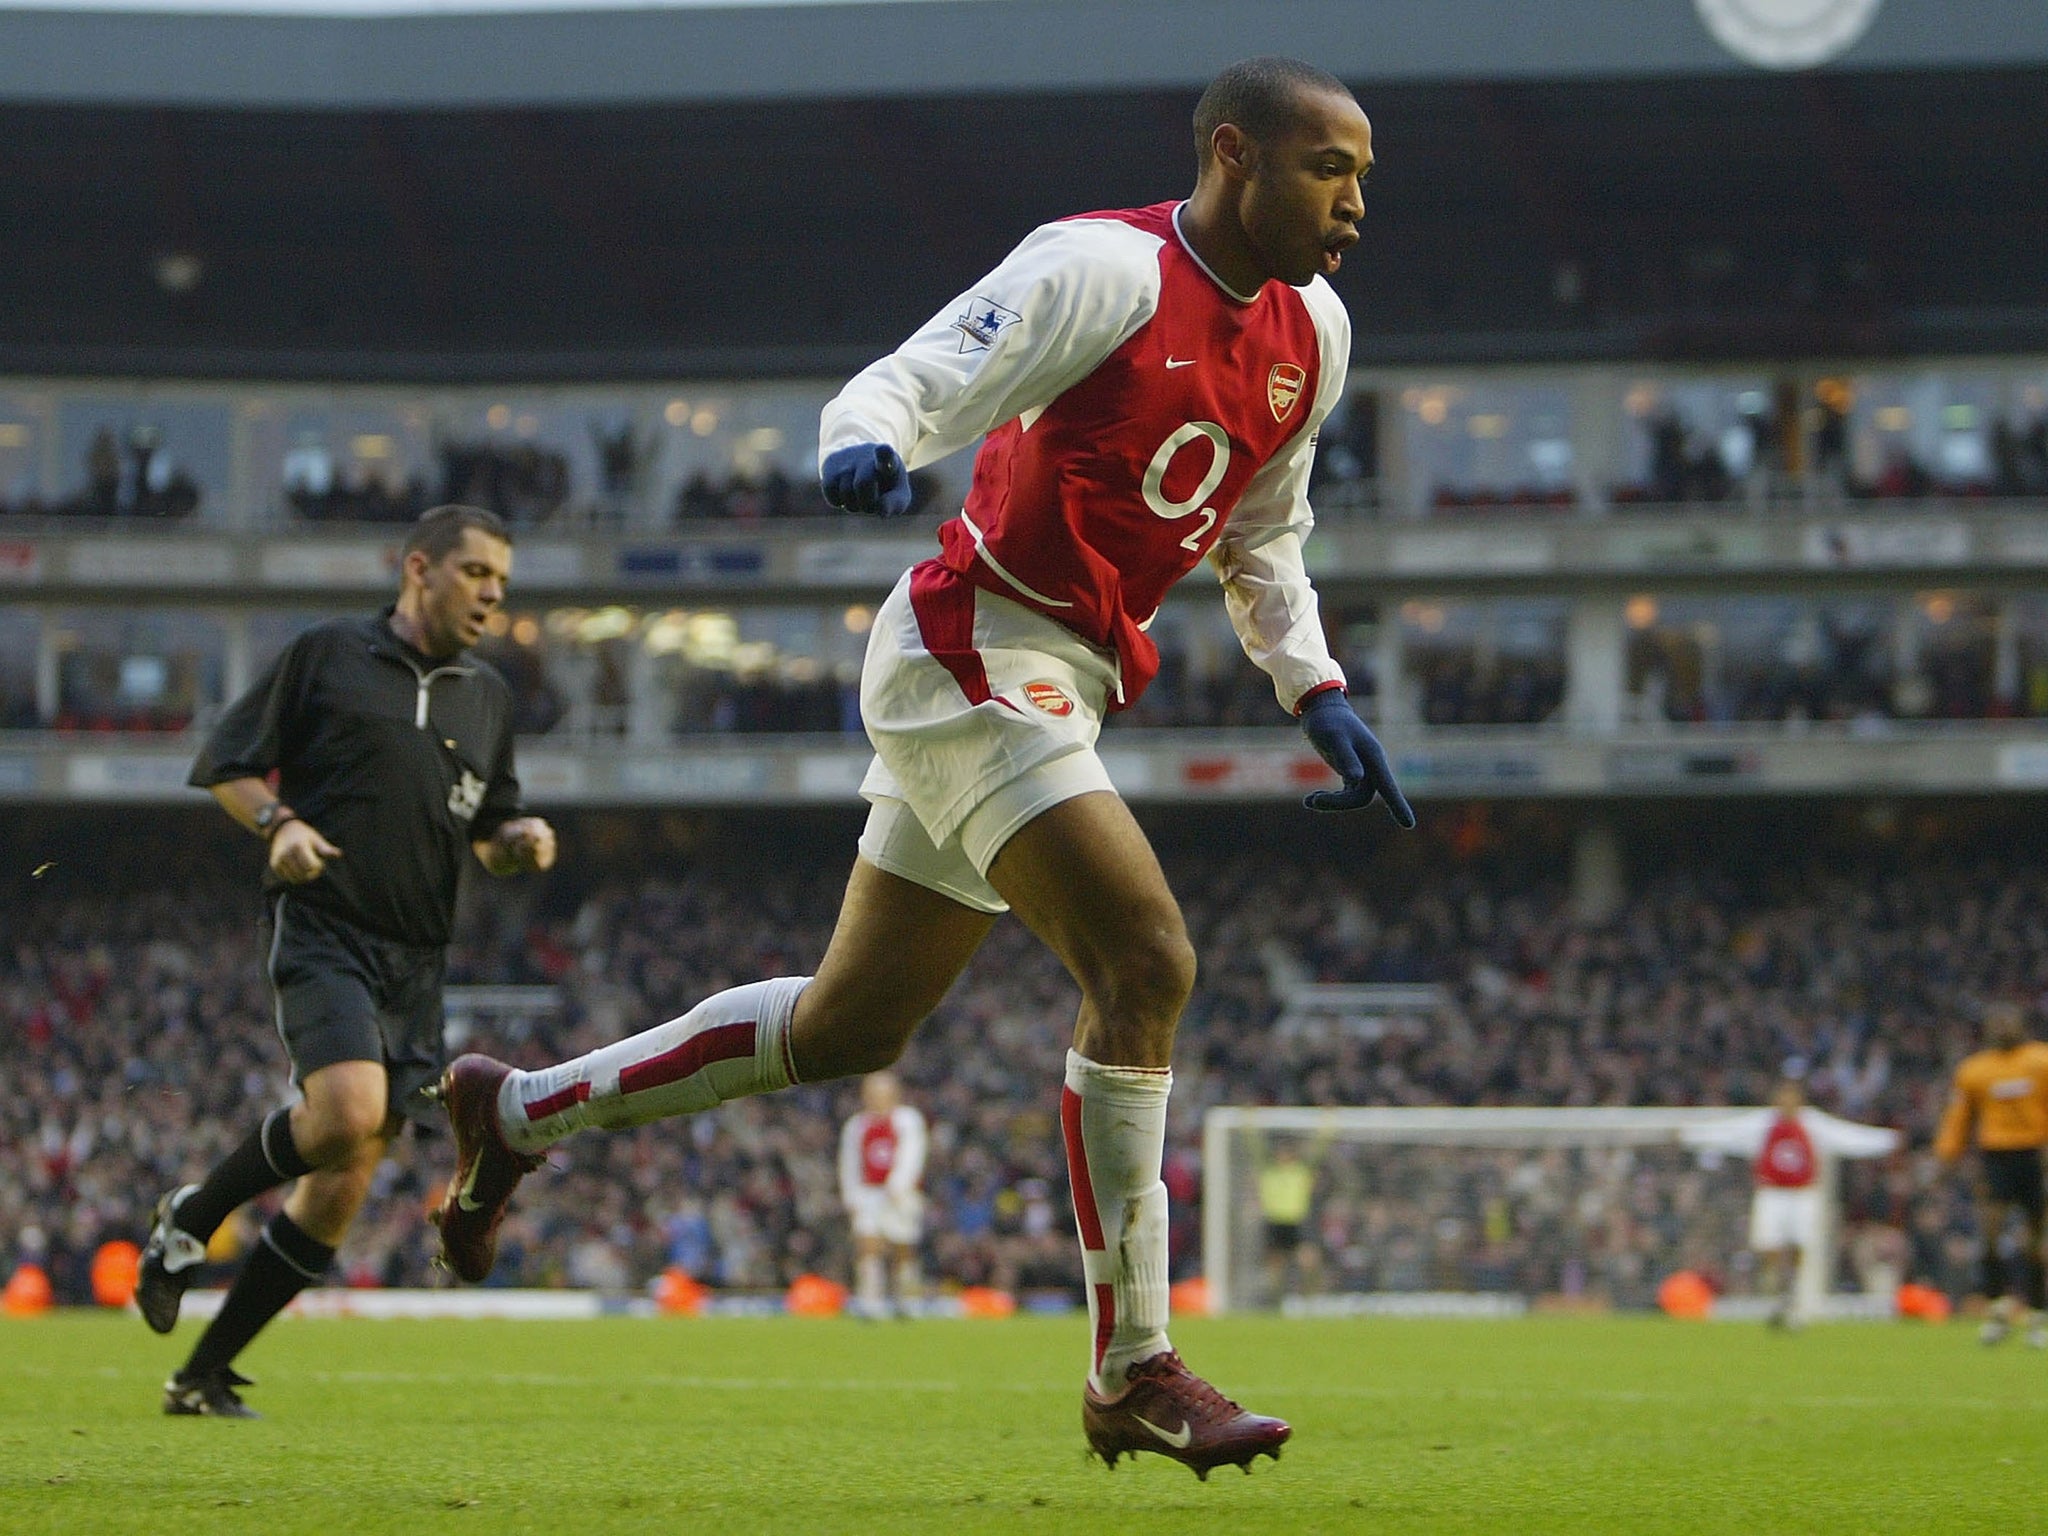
column 299, row 853
column 523, row 846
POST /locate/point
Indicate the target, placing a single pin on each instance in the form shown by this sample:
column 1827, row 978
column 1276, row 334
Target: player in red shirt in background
column 881, row 1165
column 1785, row 1213
column 1149, row 383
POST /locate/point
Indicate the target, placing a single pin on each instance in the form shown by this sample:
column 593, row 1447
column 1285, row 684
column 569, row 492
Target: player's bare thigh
column 1083, row 877
column 897, row 948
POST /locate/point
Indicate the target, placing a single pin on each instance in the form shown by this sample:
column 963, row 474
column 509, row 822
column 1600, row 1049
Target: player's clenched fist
column 525, row 845
column 298, row 853
column 868, row 477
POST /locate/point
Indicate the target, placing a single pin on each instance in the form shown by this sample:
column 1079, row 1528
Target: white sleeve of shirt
column 1740, row 1135
column 1846, row 1138
column 849, row 1159
column 1258, row 558
column 1044, row 320
column 907, row 1172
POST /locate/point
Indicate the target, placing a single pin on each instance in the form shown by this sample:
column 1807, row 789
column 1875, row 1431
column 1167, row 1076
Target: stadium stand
column 1866, row 955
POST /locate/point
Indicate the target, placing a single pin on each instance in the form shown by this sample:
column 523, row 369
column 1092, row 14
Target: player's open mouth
column 1334, row 249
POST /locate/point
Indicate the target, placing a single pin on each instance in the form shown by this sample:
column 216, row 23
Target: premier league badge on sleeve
column 982, row 322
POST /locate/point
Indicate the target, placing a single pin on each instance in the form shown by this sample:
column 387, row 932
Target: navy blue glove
column 1348, row 745
column 868, row 477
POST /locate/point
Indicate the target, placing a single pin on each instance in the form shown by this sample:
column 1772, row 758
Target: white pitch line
column 856, row 1384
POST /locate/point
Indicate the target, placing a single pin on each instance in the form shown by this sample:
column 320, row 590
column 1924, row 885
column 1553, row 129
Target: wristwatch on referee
column 272, row 816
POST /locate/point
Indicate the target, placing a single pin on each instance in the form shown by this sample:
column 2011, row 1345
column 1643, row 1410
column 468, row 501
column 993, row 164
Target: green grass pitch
column 733, row 1425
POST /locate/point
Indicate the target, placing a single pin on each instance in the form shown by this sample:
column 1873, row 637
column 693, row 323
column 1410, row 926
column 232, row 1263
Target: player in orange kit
column 2001, row 1103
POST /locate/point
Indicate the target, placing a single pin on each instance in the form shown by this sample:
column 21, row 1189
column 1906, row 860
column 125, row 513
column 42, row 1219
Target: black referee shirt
column 399, row 760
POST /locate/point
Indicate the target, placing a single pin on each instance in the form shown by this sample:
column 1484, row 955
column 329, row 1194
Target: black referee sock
column 2034, row 1282
column 1991, row 1272
column 267, row 1158
column 283, row 1263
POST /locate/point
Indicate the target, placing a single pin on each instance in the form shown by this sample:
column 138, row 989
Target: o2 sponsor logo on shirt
column 466, row 795
column 1050, row 698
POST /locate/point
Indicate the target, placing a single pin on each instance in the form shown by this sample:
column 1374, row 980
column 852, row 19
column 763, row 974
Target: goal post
column 1508, row 1201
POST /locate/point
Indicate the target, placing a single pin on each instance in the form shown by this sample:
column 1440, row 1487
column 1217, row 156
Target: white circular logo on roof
column 1787, row 34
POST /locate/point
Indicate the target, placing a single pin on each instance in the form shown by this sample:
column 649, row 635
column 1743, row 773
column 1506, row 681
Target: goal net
column 1330, row 1210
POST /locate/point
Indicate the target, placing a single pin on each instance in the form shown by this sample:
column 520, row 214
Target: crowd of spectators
column 1749, row 462
column 1840, row 667
column 1461, row 686
column 774, row 494
column 522, row 482
column 1776, row 449
column 138, row 1044
column 128, row 474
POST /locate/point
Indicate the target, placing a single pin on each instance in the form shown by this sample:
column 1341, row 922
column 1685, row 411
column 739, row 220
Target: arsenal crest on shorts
column 1049, row 697
column 1283, row 387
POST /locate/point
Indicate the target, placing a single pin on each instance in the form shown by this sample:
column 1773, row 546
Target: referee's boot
column 210, row 1396
column 487, row 1169
column 170, row 1261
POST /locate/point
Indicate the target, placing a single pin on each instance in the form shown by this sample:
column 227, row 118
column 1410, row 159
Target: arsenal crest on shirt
column 1283, row 388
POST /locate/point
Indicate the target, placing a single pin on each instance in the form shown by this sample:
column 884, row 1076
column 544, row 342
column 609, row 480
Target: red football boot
column 1171, row 1411
column 487, row 1169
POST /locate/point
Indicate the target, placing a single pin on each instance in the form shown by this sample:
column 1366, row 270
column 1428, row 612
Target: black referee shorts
column 2014, row 1177
column 345, row 994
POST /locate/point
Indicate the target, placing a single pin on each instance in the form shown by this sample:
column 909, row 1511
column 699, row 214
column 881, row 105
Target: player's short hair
column 440, row 529
column 2003, row 1013
column 1261, row 96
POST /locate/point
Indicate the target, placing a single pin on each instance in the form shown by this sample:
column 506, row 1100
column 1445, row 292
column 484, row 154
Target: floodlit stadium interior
column 1682, row 531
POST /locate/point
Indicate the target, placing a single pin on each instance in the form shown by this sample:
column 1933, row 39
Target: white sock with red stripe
column 1114, row 1120
column 909, row 1284
column 871, row 1284
column 728, row 1046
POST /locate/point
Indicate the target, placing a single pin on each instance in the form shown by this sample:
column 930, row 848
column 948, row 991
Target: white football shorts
column 877, row 1211
column 1784, row 1218
column 972, row 743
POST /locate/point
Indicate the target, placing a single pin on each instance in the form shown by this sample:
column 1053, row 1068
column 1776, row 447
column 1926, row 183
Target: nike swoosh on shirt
column 1178, row 1439
column 1177, row 362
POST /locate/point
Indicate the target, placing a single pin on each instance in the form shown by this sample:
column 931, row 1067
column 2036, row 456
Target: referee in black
column 392, row 749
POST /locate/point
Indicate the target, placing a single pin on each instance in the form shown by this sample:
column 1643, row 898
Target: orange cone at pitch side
column 1685, row 1294
column 987, row 1301
column 678, row 1294
column 114, row 1269
column 815, row 1296
column 28, row 1292
column 1923, row 1303
column 1190, row 1298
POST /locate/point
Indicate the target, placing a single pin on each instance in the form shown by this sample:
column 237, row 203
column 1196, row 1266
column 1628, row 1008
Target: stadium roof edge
column 561, row 53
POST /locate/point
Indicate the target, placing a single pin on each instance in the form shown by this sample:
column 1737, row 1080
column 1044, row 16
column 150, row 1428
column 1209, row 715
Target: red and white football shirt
column 883, row 1153
column 1139, row 417
column 1786, row 1159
